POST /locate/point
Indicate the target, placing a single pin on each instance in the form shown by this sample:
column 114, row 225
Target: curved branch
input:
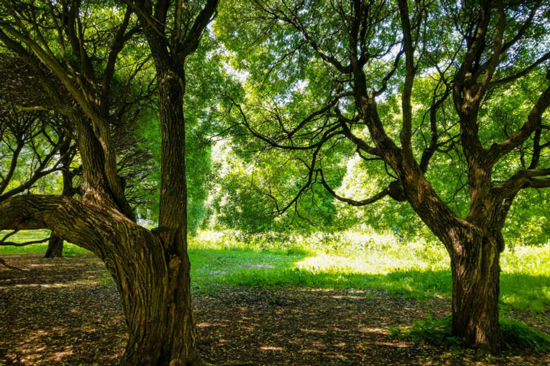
column 294, row 21
column 360, row 143
column 528, row 178
column 532, row 123
column 205, row 16
column 24, row 244
column 331, row 132
column 8, row 235
column 5, row 182
column 84, row 224
column 428, row 153
column 521, row 73
column 367, row 201
column 3, row 262
column 410, row 71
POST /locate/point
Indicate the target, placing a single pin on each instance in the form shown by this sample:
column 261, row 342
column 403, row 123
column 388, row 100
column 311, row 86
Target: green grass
column 436, row 332
column 515, row 335
column 69, row 250
column 359, row 260
column 520, row 335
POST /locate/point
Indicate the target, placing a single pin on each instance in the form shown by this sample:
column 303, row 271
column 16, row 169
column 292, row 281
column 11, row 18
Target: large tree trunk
column 475, row 272
column 155, row 290
column 474, row 245
column 152, row 280
column 150, row 268
column 55, row 247
column 179, row 345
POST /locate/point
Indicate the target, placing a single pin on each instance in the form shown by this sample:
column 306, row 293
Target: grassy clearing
column 437, row 332
column 360, row 260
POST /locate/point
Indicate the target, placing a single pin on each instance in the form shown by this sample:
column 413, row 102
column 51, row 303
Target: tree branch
column 533, row 122
column 367, row 201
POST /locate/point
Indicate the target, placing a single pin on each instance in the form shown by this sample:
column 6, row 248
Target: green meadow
column 349, row 260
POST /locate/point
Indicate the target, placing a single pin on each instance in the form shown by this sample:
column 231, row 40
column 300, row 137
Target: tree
column 29, row 138
column 33, row 145
column 81, row 45
column 411, row 87
column 55, row 243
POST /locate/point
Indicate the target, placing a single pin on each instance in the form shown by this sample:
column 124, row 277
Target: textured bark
column 153, row 285
column 475, row 295
column 180, row 347
column 169, row 49
column 55, row 247
column 474, row 245
column 155, row 290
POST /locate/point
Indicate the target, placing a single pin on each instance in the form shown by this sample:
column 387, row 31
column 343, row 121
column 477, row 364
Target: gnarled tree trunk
column 156, row 296
column 474, row 245
column 151, row 268
column 154, row 284
column 475, row 272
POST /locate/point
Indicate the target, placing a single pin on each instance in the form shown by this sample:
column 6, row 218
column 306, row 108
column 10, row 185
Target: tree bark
column 151, row 268
column 55, row 244
column 474, row 245
column 55, row 247
column 179, row 345
column 154, row 284
column 476, row 274
column 156, row 296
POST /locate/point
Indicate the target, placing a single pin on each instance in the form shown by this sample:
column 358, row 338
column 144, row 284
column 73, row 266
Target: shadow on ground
column 65, row 312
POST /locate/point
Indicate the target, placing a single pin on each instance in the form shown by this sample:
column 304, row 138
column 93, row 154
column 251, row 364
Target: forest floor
column 66, row 312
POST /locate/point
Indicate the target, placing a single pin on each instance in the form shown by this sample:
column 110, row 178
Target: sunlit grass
column 32, row 235
column 364, row 260
column 359, row 260
column 350, row 260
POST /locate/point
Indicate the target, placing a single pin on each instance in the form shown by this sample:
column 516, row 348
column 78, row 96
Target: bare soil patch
column 61, row 312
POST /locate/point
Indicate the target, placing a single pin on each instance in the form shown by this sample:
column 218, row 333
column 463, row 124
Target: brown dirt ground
column 61, row 312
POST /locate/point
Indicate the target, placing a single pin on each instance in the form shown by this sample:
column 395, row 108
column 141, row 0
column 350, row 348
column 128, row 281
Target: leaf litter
column 63, row 312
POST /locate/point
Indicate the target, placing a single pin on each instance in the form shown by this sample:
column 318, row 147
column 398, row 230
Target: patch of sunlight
column 376, row 263
column 373, row 330
column 388, row 344
column 271, row 348
column 315, row 331
column 532, row 260
column 34, row 285
column 58, row 356
column 334, row 264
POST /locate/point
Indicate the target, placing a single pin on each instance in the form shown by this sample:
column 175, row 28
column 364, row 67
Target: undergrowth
column 515, row 335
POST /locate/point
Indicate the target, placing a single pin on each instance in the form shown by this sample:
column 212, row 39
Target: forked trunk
column 55, row 247
column 476, row 272
column 474, row 245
